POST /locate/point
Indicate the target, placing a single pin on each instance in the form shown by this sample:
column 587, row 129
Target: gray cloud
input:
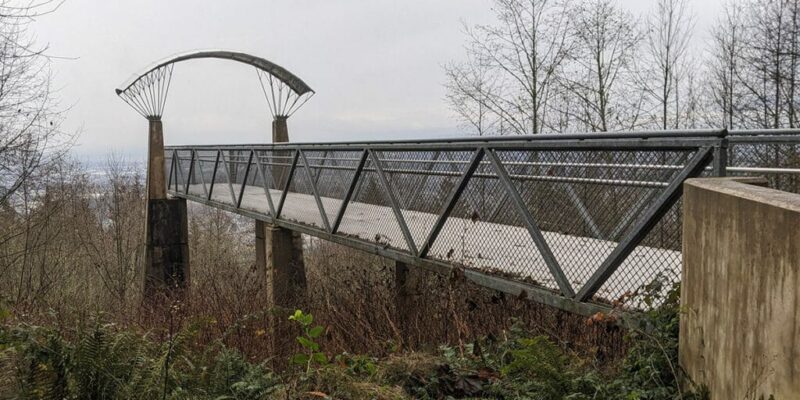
column 375, row 65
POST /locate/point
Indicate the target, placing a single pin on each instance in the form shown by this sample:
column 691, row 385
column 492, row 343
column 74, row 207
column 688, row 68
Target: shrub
column 104, row 362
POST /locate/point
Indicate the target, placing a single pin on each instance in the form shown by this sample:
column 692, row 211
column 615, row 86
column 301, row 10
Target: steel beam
column 191, row 170
column 645, row 223
column 313, row 184
column 532, row 226
column 265, row 186
column 287, row 185
column 721, row 156
column 171, row 168
column 451, row 201
column 350, row 189
column 228, row 175
column 394, row 203
column 244, row 179
column 214, row 174
column 202, row 177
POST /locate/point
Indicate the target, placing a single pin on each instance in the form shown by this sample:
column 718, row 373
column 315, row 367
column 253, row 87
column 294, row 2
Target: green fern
column 101, row 362
column 38, row 359
column 104, row 362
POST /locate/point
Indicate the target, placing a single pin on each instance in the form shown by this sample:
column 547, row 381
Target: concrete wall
column 740, row 333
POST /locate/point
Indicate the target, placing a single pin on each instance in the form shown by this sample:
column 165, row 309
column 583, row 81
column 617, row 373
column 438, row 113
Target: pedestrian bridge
column 571, row 220
column 576, row 221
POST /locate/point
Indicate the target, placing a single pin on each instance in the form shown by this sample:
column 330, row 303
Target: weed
column 311, row 333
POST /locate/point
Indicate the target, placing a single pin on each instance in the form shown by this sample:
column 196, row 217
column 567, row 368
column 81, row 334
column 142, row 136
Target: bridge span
column 574, row 221
column 577, row 221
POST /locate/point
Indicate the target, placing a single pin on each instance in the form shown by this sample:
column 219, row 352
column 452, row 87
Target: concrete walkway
column 481, row 245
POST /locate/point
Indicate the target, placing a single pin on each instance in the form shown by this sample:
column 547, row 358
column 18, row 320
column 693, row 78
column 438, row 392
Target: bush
column 106, row 363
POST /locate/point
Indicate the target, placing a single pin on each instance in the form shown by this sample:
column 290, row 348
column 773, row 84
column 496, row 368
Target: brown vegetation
column 77, row 254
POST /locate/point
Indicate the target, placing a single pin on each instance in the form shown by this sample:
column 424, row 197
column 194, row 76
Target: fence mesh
column 581, row 201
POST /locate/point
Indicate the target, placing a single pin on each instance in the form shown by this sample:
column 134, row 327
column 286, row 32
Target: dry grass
column 352, row 293
column 355, row 295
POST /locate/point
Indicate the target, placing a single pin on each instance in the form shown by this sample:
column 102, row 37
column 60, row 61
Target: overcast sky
column 376, row 66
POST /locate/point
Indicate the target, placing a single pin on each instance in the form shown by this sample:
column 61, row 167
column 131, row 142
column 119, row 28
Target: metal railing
column 570, row 218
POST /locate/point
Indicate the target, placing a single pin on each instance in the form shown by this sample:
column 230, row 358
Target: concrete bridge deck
column 376, row 223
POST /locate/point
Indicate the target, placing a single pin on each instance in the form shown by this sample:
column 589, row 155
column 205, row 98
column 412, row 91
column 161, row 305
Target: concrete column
column 166, row 247
column 407, row 281
column 279, row 254
column 280, row 134
column 285, row 270
column 280, row 131
column 166, row 266
column 156, row 182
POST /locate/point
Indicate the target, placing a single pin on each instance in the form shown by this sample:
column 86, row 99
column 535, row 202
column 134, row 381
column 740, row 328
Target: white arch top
column 147, row 91
column 295, row 83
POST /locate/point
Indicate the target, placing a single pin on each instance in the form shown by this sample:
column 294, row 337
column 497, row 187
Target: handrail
column 573, row 206
column 676, row 134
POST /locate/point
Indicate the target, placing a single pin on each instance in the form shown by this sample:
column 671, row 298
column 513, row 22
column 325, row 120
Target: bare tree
column 792, row 29
column 32, row 146
column 469, row 87
column 755, row 57
column 669, row 32
column 726, row 51
column 29, row 132
column 113, row 242
column 602, row 67
column 523, row 54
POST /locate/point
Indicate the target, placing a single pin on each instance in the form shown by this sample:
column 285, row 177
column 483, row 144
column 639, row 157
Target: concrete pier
column 741, row 289
column 166, row 265
column 156, row 181
column 279, row 253
column 409, row 284
column 167, row 247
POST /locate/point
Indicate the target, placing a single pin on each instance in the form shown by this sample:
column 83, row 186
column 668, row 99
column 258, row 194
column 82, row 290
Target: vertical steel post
column 720, row 167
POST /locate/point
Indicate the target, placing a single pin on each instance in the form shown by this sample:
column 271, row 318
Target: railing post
column 720, row 166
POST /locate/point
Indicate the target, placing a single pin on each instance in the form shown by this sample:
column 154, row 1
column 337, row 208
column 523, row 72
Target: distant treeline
column 567, row 66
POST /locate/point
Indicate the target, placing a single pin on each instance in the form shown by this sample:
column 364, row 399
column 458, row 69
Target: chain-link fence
column 584, row 216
